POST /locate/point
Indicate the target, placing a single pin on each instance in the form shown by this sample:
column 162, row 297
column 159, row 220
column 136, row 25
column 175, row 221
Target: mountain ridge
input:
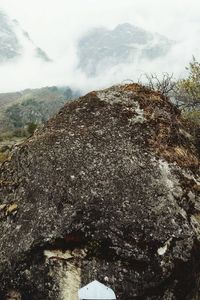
column 15, row 41
column 101, row 48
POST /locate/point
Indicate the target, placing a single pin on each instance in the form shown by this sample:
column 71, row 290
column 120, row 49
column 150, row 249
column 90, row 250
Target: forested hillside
column 22, row 112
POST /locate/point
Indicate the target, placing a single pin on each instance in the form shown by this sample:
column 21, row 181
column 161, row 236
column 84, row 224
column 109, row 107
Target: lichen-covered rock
column 107, row 190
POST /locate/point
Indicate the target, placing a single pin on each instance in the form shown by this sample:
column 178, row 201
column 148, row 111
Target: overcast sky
column 56, row 25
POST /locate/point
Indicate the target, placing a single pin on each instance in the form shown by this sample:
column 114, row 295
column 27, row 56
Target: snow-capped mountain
column 15, row 42
column 101, row 49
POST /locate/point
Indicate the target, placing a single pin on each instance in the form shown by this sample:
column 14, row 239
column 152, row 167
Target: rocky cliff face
column 107, row 190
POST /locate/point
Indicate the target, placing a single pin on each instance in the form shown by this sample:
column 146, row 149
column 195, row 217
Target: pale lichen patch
column 66, row 270
column 70, row 282
column 166, row 174
column 139, row 117
column 162, row 250
column 57, row 254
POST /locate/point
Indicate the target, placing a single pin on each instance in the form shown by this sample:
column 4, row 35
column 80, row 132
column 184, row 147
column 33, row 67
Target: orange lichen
column 164, row 119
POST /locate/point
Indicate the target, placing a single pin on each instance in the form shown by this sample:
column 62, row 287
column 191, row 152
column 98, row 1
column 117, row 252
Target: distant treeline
column 31, row 108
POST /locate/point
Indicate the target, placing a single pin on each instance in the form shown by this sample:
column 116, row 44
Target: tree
column 188, row 89
column 31, row 128
column 14, row 115
column 164, row 84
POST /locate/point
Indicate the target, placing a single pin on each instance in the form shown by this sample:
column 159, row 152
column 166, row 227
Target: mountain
column 108, row 189
column 10, row 46
column 15, row 42
column 101, row 49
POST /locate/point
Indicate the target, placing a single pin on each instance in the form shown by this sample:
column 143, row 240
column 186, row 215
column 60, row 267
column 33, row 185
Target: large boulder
column 107, row 190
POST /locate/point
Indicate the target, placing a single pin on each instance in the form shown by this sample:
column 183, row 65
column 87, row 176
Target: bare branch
column 164, row 85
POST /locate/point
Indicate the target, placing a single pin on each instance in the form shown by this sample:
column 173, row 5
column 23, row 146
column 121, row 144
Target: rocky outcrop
column 107, row 190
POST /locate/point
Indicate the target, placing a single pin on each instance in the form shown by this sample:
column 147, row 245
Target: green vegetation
column 188, row 89
column 21, row 113
column 185, row 93
column 188, row 93
column 192, row 116
column 31, row 128
column 3, row 157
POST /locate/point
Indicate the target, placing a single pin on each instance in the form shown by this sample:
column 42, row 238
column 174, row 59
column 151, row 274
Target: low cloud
column 56, row 26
